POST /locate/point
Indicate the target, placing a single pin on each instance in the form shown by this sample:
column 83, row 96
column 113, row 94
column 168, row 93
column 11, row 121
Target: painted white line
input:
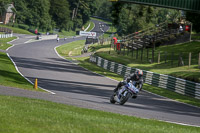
column 87, row 27
column 27, row 78
column 14, row 39
column 178, row 123
column 10, row 47
column 11, row 43
column 93, row 27
column 28, row 41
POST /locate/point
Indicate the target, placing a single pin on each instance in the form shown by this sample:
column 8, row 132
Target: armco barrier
column 178, row 85
column 6, row 35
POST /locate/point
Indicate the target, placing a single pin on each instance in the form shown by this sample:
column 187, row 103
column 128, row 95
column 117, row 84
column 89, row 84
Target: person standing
column 58, row 38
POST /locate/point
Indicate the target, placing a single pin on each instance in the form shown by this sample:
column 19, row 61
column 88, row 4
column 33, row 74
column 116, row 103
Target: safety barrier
column 6, row 35
column 178, row 85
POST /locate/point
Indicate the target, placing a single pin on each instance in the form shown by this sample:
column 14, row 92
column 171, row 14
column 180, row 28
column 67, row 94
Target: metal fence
column 178, row 85
column 6, row 32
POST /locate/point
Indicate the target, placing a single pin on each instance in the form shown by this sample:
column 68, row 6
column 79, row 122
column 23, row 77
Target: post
column 199, row 60
column 165, row 57
column 191, row 33
column 36, row 84
column 172, row 59
column 190, row 55
column 147, row 54
column 141, row 53
column 124, row 49
column 132, row 49
column 137, row 54
column 152, row 60
column 159, row 57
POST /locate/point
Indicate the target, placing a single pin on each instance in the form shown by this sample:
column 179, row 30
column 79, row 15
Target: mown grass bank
column 189, row 73
column 9, row 75
column 37, row 116
column 4, row 42
column 17, row 30
column 84, row 62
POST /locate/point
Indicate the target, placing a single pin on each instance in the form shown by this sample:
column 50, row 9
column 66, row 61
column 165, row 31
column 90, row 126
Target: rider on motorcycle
column 136, row 79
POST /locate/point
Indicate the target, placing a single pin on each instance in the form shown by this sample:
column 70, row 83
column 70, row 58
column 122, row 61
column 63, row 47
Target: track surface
column 76, row 86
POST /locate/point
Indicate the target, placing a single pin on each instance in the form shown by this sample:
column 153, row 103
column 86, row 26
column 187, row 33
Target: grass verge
column 10, row 77
column 3, row 42
column 31, row 115
column 17, row 30
column 91, row 26
column 71, row 49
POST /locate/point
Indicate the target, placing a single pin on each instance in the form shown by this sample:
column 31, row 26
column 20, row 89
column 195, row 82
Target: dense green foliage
column 3, row 5
column 47, row 15
column 130, row 18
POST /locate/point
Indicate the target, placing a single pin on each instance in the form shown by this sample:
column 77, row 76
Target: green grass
column 71, row 49
column 84, row 62
column 3, row 42
column 9, row 76
column 17, row 30
column 66, row 34
column 190, row 73
column 37, row 116
column 91, row 26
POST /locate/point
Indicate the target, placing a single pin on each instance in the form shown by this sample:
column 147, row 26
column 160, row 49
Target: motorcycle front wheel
column 125, row 99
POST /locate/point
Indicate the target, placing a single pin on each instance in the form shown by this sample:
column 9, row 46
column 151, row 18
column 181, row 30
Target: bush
column 23, row 26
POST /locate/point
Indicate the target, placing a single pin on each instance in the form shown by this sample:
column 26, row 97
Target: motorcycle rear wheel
column 112, row 100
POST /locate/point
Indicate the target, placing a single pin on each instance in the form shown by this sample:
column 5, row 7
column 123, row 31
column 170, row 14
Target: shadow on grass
column 4, row 59
column 12, row 78
column 192, row 76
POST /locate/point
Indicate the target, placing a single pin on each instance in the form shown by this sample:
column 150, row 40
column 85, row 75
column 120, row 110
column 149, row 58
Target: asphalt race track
column 76, row 86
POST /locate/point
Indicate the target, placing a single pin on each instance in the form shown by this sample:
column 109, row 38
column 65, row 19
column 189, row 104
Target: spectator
column 58, row 38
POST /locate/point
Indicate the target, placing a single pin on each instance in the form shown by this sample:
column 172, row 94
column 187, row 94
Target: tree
column 129, row 18
column 3, row 5
column 34, row 13
column 60, row 13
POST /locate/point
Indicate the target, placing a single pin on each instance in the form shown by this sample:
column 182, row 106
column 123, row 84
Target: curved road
column 76, row 86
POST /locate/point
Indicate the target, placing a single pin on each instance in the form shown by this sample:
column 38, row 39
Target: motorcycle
column 126, row 91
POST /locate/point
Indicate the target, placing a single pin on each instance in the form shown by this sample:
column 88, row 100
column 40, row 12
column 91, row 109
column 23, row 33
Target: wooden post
column 159, row 57
column 165, row 57
column 180, row 62
column 191, row 33
column 141, row 53
column 132, row 49
column 137, row 54
column 199, row 60
column 128, row 50
column 153, row 49
column 147, row 54
column 172, row 59
column 190, row 55
column 152, row 60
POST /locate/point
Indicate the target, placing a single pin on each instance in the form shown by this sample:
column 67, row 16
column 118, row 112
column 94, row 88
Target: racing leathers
column 136, row 80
